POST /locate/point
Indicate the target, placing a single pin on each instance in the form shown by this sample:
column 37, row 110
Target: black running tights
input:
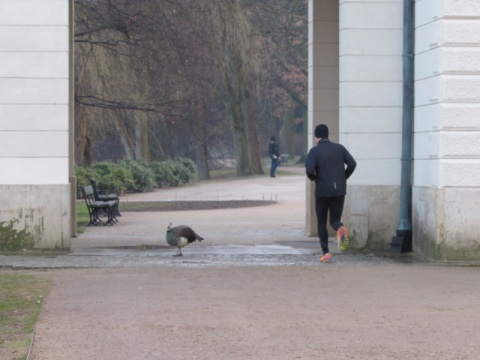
column 323, row 207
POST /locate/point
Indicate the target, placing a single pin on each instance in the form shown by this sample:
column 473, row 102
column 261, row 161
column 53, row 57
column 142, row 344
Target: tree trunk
column 80, row 142
column 240, row 140
column 234, row 104
column 155, row 148
column 289, row 131
column 252, row 139
column 84, row 141
column 243, row 122
column 124, row 137
column 201, row 161
column 142, row 149
column 237, row 64
column 201, row 151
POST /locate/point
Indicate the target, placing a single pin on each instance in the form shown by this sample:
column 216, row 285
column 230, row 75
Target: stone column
column 446, row 191
column 34, row 129
column 371, row 116
column 322, row 83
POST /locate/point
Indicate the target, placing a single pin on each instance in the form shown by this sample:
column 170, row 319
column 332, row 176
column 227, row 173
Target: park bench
column 101, row 195
column 284, row 159
column 96, row 208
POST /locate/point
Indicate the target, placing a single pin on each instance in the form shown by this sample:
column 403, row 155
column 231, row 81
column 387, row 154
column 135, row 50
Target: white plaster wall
column 430, row 10
column 34, row 90
column 34, row 122
column 447, row 129
column 447, row 94
column 370, row 116
column 370, row 78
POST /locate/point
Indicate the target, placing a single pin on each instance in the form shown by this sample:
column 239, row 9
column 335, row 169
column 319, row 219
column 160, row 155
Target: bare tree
column 235, row 57
column 182, row 78
column 284, row 34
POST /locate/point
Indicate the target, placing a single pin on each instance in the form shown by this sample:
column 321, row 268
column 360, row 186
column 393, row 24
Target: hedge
column 136, row 176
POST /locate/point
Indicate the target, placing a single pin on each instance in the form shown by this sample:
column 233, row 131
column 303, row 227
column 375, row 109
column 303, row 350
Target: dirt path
column 329, row 311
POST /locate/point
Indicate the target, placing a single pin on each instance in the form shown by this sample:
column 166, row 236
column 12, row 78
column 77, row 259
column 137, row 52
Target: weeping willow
column 112, row 90
column 235, row 57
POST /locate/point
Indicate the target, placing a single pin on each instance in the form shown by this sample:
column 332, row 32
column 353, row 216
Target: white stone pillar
column 34, row 126
column 322, row 82
column 446, row 193
column 371, row 116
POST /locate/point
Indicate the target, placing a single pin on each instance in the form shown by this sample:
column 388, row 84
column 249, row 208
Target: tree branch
column 91, row 100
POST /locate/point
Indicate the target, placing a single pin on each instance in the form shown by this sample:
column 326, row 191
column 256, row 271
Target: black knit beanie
column 321, row 131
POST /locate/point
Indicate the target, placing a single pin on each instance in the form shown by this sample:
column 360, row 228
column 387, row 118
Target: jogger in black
column 325, row 164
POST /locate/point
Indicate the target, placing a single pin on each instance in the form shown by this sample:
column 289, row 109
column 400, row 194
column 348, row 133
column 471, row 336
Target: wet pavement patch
column 135, row 247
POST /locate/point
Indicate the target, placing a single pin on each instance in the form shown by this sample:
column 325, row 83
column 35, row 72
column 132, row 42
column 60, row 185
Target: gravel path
column 328, row 311
column 252, row 290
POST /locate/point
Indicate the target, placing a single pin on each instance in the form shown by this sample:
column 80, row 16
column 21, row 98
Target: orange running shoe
column 342, row 238
column 326, row 258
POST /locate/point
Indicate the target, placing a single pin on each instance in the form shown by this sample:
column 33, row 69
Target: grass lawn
column 82, row 216
column 21, row 298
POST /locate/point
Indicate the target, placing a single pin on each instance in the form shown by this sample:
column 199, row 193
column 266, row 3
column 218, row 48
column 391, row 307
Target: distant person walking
column 274, row 156
column 325, row 164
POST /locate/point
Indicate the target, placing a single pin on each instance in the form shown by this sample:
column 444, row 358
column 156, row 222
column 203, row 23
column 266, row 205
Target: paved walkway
column 268, row 235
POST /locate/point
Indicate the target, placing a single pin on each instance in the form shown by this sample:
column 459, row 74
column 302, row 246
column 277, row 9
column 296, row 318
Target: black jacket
column 273, row 150
column 325, row 164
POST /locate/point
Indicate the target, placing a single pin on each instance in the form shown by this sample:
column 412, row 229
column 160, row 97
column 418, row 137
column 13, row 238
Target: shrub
column 117, row 181
column 111, row 177
column 104, row 167
column 136, row 176
column 189, row 164
column 84, row 175
column 83, row 178
column 191, row 169
column 164, row 172
column 173, row 173
column 143, row 176
column 182, row 173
